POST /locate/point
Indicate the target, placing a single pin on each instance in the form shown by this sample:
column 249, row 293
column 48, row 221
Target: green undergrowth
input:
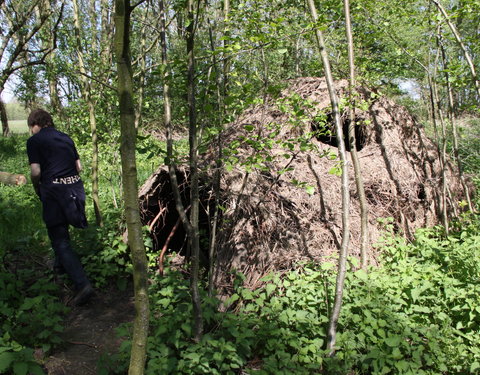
column 31, row 311
column 418, row 313
column 31, row 315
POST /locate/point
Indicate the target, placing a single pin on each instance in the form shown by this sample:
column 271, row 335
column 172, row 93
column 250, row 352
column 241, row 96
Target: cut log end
column 12, row 179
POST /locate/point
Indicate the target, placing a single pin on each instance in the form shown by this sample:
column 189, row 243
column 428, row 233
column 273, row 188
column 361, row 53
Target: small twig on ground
column 83, row 343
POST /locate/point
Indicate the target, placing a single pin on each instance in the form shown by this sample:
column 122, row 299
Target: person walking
column 55, row 167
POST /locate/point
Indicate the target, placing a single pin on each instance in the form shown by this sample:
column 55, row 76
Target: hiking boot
column 83, row 295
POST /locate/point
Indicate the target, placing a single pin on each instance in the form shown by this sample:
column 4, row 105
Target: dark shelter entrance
column 326, row 132
column 158, row 211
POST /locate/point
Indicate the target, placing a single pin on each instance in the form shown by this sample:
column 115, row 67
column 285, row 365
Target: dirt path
column 90, row 332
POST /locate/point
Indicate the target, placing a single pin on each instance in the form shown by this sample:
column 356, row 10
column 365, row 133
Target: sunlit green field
column 18, row 126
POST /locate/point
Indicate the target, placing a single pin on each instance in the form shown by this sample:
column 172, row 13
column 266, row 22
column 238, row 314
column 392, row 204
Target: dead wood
column 12, row 178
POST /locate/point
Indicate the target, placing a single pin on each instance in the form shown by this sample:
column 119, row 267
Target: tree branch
column 132, row 7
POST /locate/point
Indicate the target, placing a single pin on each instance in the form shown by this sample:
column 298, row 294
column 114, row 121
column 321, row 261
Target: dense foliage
column 417, row 313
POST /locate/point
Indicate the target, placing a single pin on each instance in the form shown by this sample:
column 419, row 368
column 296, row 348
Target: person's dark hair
column 41, row 118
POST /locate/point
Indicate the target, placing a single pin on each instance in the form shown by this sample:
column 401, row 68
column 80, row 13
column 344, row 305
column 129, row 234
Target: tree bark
column 130, row 187
column 141, row 79
column 51, row 74
column 364, row 241
column 226, row 41
column 342, row 261
column 194, row 178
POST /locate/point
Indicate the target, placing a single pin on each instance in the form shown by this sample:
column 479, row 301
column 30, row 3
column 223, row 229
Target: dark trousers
column 65, row 256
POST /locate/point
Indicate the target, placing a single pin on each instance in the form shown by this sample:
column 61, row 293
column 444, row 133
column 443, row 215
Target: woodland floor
column 90, row 332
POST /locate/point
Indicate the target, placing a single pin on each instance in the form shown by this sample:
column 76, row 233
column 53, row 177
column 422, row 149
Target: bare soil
column 90, row 332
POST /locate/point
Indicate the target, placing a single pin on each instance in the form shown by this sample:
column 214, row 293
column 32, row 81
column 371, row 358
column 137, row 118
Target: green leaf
column 35, row 369
column 422, row 309
column 396, row 353
column 327, row 266
column 402, row 365
column 270, row 288
column 247, row 294
column 393, row 341
column 20, row 368
column 362, row 275
column 310, row 189
column 335, row 171
column 194, row 357
column 474, row 366
column 6, row 359
column 234, row 297
column 415, row 293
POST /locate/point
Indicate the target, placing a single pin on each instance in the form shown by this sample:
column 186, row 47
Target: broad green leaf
column 35, row 369
column 270, row 288
column 6, row 359
column 393, row 341
column 415, row 293
column 310, row 189
column 20, row 368
column 327, row 266
column 474, row 366
column 361, row 274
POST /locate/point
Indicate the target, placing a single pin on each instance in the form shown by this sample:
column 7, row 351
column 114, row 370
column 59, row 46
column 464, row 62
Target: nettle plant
column 418, row 313
column 31, row 316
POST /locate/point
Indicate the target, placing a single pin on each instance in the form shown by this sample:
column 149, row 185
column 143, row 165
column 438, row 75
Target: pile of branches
column 280, row 189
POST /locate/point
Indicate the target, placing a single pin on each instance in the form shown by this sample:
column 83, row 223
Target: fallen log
column 12, row 178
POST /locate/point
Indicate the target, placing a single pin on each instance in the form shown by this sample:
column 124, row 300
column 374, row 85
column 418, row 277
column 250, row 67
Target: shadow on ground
column 90, row 332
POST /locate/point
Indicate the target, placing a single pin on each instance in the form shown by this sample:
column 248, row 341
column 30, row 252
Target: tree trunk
column 50, row 72
column 107, row 31
column 3, row 117
column 342, row 261
column 194, row 188
column 217, row 175
column 353, row 143
column 190, row 227
column 141, row 78
column 226, row 42
column 129, row 174
column 453, row 121
column 87, row 95
column 52, row 87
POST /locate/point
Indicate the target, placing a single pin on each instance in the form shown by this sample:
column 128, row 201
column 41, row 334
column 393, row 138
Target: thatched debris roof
column 282, row 202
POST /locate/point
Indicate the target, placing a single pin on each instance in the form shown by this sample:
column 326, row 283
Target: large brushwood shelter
column 279, row 190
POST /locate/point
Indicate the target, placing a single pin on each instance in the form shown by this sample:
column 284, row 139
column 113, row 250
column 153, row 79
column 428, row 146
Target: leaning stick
column 164, row 249
column 165, row 246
